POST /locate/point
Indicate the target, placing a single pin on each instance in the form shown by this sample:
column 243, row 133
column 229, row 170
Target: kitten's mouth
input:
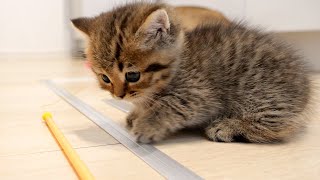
column 136, row 98
column 133, row 93
column 133, row 96
column 130, row 97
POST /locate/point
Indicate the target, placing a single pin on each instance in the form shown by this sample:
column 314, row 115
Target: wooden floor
column 27, row 149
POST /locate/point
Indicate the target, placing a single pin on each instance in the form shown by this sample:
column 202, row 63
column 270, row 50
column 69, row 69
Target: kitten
column 237, row 83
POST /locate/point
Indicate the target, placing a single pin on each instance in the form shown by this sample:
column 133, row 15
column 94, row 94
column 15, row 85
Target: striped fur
column 235, row 82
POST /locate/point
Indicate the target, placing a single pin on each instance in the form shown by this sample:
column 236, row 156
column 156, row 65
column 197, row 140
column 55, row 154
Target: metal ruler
column 121, row 105
column 162, row 163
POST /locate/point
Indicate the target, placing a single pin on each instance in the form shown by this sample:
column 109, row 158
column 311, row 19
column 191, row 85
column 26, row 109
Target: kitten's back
column 255, row 75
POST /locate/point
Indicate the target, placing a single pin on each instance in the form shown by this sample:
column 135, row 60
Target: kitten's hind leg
column 256, row 130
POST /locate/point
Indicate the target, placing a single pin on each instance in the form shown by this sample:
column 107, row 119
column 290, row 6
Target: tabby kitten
column 237, row 83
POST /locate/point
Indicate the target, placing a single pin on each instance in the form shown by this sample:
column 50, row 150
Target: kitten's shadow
column 184, row 136
column 102, row 137
column 90, row 134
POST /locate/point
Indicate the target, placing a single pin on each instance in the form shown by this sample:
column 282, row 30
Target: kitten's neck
column 177, row 50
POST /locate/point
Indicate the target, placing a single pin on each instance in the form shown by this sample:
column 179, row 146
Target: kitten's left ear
column 155, row 28
column 83, row 24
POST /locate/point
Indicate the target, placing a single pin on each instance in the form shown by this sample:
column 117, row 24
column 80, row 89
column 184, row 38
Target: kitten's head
column 134, row 49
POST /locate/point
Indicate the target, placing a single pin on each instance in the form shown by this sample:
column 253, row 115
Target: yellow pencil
column 75, row 161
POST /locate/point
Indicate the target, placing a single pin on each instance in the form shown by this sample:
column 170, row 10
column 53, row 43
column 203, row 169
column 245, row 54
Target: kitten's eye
column 132, row 76
column 105, row 79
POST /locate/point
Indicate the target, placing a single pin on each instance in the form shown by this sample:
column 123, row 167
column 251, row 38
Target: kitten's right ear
column 155, row 28
column 83, row 24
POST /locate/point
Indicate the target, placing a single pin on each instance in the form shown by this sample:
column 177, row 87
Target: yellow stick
column 75, row 161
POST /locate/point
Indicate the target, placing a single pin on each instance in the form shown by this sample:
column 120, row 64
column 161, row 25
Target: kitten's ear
column 83, row 24
column 155, row 27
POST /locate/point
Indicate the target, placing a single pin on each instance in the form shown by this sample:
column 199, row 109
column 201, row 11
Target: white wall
column 308, row 44
column 231, row 8
column 34, row 26
column 284, row 15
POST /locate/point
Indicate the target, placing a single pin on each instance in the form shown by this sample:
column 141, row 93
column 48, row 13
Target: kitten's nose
column 121, row 96
column 119, row 91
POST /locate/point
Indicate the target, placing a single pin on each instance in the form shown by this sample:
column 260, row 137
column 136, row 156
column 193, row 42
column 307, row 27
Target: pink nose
column 121, row 96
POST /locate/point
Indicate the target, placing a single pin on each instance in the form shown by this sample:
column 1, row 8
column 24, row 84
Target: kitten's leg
column 258, row 130
column 154, row 125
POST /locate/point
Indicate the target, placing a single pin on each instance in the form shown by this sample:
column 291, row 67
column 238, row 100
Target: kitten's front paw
column 145, row 132
column 130, row 118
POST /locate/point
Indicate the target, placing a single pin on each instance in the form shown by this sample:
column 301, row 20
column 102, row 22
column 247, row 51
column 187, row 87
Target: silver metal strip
column 121, row 105
column 162, row 163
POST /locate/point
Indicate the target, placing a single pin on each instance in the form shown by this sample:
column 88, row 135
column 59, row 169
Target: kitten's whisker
column 148, row 100
column 154, row 101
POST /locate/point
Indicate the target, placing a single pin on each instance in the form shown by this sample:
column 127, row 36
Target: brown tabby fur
column 235, row 82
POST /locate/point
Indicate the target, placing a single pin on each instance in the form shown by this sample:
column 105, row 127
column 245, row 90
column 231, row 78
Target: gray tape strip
column 156, row 159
